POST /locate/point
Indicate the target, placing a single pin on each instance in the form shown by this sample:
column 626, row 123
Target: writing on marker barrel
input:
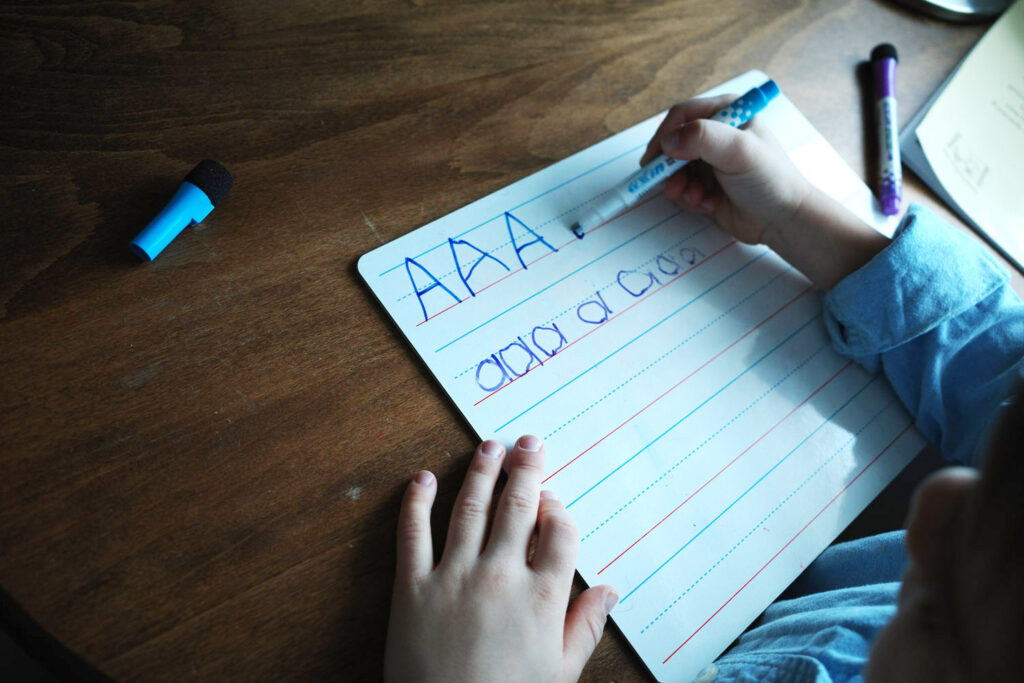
column 890, row 170
column 203, row 188
column 651, row 175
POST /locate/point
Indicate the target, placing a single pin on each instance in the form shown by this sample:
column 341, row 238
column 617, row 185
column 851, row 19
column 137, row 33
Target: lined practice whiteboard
column 699, row 427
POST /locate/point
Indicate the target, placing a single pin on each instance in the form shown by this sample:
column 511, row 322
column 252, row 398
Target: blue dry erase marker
column 658, row 169
column 203, row 188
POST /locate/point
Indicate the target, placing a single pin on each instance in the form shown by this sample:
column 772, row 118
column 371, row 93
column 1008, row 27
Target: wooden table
column 202, row 457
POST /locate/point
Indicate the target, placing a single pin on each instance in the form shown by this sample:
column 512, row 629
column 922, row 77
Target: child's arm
column 488, row 610
column 932, row 310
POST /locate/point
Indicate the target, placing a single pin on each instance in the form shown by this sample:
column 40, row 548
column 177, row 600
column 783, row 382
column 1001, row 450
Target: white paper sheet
column 699, row 427
column 973, row 134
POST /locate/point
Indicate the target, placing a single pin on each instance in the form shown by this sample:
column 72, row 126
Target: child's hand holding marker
column 656, row 168
column 744, row 180
column 741, row 178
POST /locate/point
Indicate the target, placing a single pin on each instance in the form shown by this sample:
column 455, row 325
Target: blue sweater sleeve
column 936, row 314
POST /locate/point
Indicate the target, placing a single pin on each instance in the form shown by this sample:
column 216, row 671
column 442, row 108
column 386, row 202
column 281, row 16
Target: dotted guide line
column 509, row 241
column 751, row 488
column 646, row 296
column 675, row 386
column 797, row 534
column 661, row 358
column 528, row 201
column 704, row 443
column 767, row 516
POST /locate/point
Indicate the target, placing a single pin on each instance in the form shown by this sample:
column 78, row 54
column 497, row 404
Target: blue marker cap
column 746, row 107
column 203, row 188
column 770, row 89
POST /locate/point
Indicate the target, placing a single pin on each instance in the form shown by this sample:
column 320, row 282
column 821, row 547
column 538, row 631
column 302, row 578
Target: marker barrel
column 890, row 170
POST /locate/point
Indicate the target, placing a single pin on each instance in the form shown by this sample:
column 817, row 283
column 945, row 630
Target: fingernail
column 424, row 478
column 548, row 495
column 492, row 449
column 529, row 443
column 670, row 142
column 705, row 204
column 610, row 600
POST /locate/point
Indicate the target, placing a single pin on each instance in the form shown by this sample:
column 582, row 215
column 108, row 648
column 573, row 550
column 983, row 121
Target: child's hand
column 745, row 181
column 488, row 610
column 742, row 178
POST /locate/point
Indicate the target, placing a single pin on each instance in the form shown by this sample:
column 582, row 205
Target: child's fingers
column 679, row 114
column 727, row 149
column 710, row 187
column 415, row 546
column 706, row 175
column 584, row 624
column 558, row 540
column 694, row 189
column 676, row 184
column 516, row 515
column 694, row 195
column 473, row 505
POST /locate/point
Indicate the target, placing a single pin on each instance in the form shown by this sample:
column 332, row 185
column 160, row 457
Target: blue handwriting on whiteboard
column 530, row 350
column 482, row 255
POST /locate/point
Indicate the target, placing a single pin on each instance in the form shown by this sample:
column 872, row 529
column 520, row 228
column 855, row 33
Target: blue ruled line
column 706, row 441
column 513, row 306
column 614, row 282
column 519, row 206
column 784, row 458
column 735, row 272
column 764, row 519
column 704, row 402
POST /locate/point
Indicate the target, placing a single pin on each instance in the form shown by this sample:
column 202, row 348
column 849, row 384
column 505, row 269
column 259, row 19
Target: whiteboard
column 699, row 427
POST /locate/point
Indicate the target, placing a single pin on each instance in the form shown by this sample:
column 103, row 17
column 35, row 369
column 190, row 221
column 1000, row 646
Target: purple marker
column 883, row 63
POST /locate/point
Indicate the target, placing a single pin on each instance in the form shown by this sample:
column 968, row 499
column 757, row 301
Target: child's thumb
column 584, row 625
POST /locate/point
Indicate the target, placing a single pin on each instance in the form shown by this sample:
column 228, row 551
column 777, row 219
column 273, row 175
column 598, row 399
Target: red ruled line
column 594, row 329
column 804, row 528
column 517, row 270
column 802, row 403
column 676, row 385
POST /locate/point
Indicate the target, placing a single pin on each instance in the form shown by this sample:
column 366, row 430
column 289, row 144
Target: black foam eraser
column 212, row 178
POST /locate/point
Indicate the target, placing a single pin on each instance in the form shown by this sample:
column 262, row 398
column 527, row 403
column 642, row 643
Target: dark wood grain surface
column 202, row 457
